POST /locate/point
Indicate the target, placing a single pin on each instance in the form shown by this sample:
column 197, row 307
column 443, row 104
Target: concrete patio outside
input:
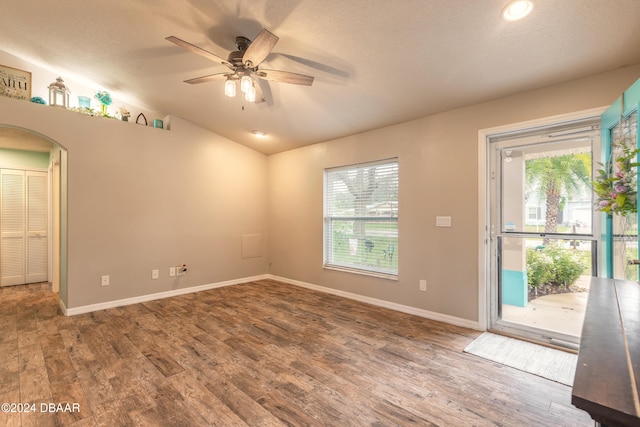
column 562, row 313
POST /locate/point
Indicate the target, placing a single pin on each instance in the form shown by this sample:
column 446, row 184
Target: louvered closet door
column 36, row 227
column 23, row 227
column 12, row 227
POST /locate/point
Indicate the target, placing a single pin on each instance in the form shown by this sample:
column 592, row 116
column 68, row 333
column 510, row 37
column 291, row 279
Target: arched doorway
column 23, row 149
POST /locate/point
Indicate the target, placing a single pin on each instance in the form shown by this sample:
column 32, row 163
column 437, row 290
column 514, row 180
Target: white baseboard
column 457, row 321
column 151, row 297
column 374, row 301
column 62, row 306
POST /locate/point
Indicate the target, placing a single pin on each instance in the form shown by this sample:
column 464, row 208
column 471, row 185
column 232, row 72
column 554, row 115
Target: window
column 361, row 218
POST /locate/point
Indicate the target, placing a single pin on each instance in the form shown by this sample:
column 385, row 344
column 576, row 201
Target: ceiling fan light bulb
column 245, row 83
column 250, row 94
column 230, row 88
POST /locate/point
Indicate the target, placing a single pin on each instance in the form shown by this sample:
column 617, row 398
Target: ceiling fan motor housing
column 242, row 43
column 235, row 58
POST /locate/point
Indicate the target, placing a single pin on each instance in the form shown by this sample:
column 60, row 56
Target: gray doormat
column 556, row 365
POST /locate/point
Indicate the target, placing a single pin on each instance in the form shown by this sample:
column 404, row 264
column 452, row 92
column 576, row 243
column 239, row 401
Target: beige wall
column 141, row 198
column 438, row 160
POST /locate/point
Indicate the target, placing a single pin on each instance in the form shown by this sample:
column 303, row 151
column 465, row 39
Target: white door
column 37, row 226
column 23, row 227
column 12, row 227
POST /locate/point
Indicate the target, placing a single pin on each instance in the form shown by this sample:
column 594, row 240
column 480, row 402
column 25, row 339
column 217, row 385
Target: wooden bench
column 608, row 370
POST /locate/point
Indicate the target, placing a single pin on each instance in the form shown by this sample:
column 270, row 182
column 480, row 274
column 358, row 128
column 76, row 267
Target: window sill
column 380, row 275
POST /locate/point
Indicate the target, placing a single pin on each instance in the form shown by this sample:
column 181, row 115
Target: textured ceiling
column 375, row 62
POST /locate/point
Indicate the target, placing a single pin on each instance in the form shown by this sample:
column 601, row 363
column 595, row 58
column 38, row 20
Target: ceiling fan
column 244, row 66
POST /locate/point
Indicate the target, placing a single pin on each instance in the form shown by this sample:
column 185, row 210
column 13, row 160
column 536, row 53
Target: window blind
column 361, row 218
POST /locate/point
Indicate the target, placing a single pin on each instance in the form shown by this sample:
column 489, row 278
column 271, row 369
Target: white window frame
column 381, row 261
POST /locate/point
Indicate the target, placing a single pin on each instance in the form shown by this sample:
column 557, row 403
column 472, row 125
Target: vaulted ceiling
column 375, row 62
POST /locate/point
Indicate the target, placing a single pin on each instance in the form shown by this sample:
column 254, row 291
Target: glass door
column 543, row 238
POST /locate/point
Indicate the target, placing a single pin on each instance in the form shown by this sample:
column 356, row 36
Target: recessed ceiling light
column 259, row 134
column 517, row 9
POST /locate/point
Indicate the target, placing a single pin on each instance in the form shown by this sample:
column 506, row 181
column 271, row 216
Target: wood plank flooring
column 258, row 354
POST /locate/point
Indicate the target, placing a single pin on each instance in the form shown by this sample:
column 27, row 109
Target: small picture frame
column 15, row 83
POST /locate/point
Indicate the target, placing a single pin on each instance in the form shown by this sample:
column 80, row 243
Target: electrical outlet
column 423, row 285
column 104, row 280
column 155, row 274
column 181, row 270
column 172, row 271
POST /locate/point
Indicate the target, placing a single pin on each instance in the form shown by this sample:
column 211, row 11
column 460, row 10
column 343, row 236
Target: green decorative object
column 38, row 100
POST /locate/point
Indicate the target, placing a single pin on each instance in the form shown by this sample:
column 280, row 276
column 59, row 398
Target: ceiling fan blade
column 197, row 50
column 259, row 94
column 210, row 77
column 259, row 49
column 285, row 77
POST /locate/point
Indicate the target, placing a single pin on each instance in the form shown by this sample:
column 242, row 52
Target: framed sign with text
column 15, row 83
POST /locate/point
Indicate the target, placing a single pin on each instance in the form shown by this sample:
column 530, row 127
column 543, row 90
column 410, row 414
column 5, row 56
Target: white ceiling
column 375, row 62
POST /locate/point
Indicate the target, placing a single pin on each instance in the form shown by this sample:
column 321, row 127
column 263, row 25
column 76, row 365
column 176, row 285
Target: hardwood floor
column 258, row 354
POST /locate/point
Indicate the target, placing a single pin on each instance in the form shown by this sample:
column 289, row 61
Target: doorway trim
column 484, row 180
column 61, row 154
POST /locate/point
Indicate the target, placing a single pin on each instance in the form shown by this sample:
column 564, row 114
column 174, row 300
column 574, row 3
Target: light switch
column 443, row 221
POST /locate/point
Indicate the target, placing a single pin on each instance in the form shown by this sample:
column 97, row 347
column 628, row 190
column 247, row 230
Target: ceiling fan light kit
column 243, row 65
column 245, row 83
column 250, row 94
column 230, row 87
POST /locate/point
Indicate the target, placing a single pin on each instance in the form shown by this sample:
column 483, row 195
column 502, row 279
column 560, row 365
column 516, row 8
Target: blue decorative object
column 157, row 123
column 38, row 100
column 103, row 97
column 105, row 101
column 84, row 102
